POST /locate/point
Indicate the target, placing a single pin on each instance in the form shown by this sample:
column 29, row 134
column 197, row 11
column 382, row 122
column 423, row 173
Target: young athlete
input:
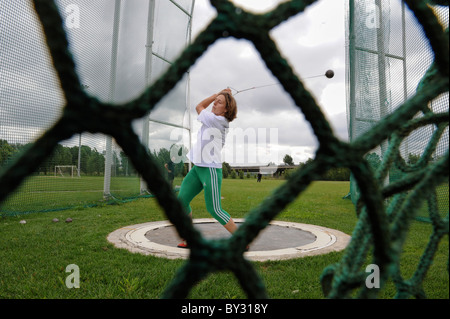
column 206, row 174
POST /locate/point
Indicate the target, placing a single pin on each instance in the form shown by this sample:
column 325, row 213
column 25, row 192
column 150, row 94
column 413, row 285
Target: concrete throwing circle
column 278, row 241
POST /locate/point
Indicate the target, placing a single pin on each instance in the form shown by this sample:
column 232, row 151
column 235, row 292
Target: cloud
column 312, row 42
column 32, row 85
column 257, row 6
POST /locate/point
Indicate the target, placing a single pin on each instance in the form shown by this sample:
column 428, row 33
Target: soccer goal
column 66, row 171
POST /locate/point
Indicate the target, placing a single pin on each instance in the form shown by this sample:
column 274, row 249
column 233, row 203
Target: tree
column 127, row 167
column 96, row 163
column 86, row 152
column 224, row 171
column 163, row 156
column 6, row 152
column 288, row 160
column 115, row 165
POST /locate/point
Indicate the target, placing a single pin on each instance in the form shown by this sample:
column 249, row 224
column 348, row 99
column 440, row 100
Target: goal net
column 66, row 171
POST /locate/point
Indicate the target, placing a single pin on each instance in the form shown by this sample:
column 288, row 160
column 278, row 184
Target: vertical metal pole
column 382, row 74
column 148, row 73
column 405, row 82
column 79, row 156
column 381, row 63
column 352, row 71
column 405, row 79
column 189, row 83
column 353, row 192
column 112, row 87
column 107, row 177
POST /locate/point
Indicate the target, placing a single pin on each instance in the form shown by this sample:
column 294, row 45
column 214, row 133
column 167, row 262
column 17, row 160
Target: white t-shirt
column 207, row 152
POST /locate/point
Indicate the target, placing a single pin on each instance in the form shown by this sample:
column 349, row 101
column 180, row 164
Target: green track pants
column 210, row 181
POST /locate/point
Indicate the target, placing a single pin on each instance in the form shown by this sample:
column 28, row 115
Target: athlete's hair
column 231, row 106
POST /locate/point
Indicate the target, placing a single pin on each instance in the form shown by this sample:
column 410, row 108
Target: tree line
column 333, row 174
column 92, row 162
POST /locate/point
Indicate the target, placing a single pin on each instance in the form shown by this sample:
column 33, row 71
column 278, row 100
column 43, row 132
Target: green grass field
column 34, row 256
column 44, row 193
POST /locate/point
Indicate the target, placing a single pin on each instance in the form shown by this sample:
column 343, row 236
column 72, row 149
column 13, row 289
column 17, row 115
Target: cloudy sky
column 313, row 42
column 268, row 126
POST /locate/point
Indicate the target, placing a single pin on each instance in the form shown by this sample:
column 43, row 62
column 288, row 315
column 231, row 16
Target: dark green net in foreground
column 385, row 210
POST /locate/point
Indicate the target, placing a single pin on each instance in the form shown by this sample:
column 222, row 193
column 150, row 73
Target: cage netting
column 119, row 49
column 388, row 56
column 399, row 118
